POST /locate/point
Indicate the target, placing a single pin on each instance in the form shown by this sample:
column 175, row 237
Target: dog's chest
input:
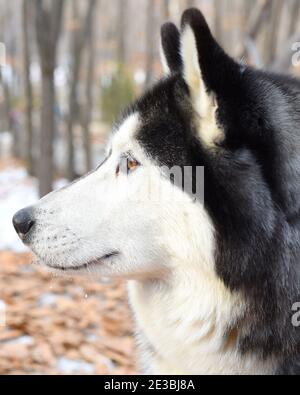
column 175, row 337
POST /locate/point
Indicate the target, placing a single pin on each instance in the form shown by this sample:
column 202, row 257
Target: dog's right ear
column 204, row 58
column 208, row 72
column 170, row 49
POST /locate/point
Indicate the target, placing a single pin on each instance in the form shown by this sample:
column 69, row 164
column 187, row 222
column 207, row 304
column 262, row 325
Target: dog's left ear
column 170, row 49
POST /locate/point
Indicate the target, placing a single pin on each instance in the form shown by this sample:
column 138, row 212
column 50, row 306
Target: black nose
column 23, row 221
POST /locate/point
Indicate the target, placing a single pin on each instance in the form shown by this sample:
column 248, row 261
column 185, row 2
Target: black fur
column 252, row 182
column 170, row 39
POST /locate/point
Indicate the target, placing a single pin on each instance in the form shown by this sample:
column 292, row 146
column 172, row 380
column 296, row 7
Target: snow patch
column 17, row 190
column 69, row 366
column 47, row 300
column 22, row 341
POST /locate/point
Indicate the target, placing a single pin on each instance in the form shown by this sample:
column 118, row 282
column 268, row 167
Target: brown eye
column 118, row 170
column 132, row 164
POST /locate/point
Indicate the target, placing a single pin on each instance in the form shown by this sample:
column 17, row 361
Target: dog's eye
column 132, row 164
column 126, row 165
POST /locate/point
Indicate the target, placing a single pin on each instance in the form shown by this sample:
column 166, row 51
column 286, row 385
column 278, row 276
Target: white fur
column 167, row 249
column 163, row 60
column 204, row 105
column 185, row 320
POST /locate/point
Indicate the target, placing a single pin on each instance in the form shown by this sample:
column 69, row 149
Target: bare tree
column 150, row 48
column 48, row 27
column 218, row 19
column 8, row 116
column 89, row 97
column 260, row 14
column 27, row 84
column 79, row 37
column 121, row 28
column 295, row 16
column 283, row 62
column 189, row 3
column 166, row 10
column 273, row 31
column 7, row 103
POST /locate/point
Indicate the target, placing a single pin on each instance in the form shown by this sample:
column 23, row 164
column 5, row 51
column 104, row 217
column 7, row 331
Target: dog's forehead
column 125, row 135
column 156, row 123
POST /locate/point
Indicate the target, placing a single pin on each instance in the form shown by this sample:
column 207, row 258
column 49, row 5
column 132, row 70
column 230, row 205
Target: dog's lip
column 84, row 266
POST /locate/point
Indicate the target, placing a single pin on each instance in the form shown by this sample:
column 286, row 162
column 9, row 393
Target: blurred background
column 68, row 67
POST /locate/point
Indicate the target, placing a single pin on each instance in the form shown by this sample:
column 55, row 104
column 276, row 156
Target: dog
column 211, row 283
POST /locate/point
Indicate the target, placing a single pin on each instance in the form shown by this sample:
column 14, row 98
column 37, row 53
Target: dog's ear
column 170, row 49
column 207, row 70
column 202, row 55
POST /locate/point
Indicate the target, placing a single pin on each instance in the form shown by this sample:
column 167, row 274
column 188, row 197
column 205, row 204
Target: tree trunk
column 150, row 49
column 73, row 106
column 48, row 27
column 88, row 110
column 190, row 3
column 218, row 19
column 273, row 34
column 79, row 38
column 87, row 116
column 10, row 121
column 121, row 28
column 166, row 10
column 295, row 14
column 46, row 166
column 7, row 105
column 260, row 14
column 27, row 87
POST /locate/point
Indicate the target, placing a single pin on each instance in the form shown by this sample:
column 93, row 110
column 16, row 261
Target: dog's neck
column 187, row 324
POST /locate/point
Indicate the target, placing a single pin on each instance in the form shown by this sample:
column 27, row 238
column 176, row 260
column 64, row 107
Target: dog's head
column 129, row 219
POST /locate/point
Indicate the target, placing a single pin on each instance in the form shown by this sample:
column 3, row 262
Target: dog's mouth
column 85, row 266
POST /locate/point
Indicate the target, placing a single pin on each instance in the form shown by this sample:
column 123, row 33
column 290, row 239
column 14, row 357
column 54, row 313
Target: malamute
column 212, row 283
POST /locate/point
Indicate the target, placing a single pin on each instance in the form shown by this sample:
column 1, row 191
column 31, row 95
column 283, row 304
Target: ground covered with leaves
column 57, row 325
